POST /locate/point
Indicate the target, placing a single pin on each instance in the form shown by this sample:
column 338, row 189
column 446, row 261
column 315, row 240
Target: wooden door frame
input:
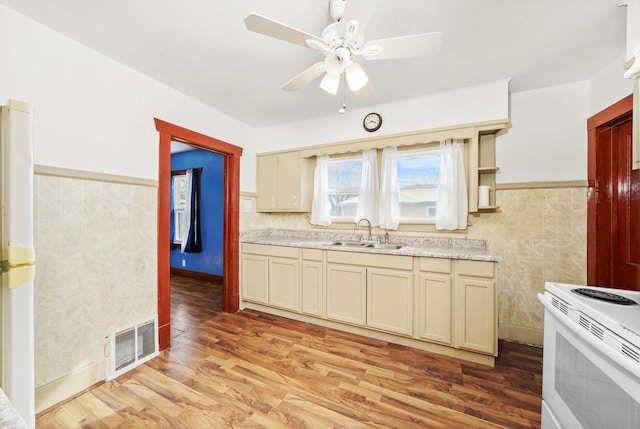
column 231, row 216
column 598, row 120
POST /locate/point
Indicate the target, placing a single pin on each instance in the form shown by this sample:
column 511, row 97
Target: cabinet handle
column 295, row 202
column 273, row 201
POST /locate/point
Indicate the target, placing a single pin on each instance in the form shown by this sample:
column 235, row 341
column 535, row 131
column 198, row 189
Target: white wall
column 467, row 105
column 609, row 86
column 548, row 138
column 93, row 113
column 633, row 26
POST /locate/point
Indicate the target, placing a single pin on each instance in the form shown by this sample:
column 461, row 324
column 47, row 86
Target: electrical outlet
column 184, row 262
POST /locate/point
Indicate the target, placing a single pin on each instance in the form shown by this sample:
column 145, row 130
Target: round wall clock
column 372, row 122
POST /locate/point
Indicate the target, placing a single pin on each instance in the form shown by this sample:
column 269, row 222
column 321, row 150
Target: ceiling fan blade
column 305, row 77
column 277, row 30
column 359, row 11
column 417, row 45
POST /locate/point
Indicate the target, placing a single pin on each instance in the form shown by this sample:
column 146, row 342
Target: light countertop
column 453, row 248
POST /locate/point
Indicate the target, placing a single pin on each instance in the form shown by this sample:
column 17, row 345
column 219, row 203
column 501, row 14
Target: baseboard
column 213, row 278
column 520, row 334
column 69, row 386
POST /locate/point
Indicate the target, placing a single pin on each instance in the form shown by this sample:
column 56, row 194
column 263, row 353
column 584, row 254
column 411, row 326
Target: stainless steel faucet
column 370, row 238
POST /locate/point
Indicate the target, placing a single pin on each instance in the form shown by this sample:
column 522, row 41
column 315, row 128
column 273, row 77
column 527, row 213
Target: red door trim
column 607, row 115
column 231, row 264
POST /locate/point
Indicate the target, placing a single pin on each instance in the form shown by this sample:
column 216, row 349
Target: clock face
column 372, row 122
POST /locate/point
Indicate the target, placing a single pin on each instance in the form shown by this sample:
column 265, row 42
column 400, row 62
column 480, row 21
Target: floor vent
column 131, row 346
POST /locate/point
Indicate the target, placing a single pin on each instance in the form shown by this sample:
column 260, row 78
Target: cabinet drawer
column 435, row 265
column 476, row 268
column 266, row 250
column 312, row 254
column 371, row 260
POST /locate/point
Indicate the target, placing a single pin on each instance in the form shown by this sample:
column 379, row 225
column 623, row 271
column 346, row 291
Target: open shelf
column 488, row 170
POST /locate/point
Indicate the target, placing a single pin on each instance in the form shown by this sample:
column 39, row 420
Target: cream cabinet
column 347, row 293
column 313, row 290
column 270, row 275
column 435, row 300
column 390, row 300
column 476, row 315
column 284, row 183
column 255, row 278
column 371, row 290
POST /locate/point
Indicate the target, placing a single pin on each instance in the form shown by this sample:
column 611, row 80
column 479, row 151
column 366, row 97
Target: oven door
column 585, row 384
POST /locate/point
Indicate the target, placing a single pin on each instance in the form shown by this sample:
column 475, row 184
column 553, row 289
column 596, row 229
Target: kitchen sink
column 385, row 246
column 370, row 245
column 348, row 243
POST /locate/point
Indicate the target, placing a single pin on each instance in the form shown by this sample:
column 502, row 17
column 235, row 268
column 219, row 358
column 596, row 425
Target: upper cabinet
column 284, row 183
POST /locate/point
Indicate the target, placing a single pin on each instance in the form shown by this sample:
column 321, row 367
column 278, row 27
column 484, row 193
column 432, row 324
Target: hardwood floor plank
column 255, row 370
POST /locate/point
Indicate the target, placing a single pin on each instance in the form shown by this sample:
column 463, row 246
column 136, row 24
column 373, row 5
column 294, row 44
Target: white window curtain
column 321, row 209
column 368, row 198
column 452, row 208
column 389, row 190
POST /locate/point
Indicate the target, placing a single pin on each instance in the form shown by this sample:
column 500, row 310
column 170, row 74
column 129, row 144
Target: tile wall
column 96, row 269
column 539, row 233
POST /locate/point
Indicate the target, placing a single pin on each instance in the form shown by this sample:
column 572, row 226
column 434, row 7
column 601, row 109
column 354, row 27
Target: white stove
column 591, row 372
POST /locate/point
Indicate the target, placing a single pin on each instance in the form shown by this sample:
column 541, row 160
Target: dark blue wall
column 210, row 260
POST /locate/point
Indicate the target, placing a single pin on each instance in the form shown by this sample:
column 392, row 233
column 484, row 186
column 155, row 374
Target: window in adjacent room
column 179, row 191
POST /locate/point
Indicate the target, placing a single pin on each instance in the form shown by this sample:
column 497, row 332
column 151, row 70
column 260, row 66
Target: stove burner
column 604, row 296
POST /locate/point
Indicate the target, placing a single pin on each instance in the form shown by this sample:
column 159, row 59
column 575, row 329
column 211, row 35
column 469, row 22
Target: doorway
column 230, row 283
column 613, row 250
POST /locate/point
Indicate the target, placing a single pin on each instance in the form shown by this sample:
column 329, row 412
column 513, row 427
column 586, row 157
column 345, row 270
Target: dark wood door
column 618, row 208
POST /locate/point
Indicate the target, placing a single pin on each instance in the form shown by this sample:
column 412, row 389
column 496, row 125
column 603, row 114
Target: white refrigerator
column 17, row 376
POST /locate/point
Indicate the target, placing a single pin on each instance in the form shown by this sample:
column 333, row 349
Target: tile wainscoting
column 96, row 249
column 541, row 234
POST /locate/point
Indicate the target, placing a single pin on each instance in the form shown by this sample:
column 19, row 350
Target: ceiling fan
column 342, row 42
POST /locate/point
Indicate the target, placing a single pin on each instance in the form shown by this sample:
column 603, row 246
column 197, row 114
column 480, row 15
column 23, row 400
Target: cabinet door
column 283, row 283
column 435, row 315
column 390, row 300
column 289, row 181
column 267, row 182
column 475, row 314
column 312, row 288
column 346, row 293
column 255, row 278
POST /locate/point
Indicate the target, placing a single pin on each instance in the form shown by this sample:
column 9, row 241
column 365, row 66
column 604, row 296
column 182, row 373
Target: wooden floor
column 250, row 369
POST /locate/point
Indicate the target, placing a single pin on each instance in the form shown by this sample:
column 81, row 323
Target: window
column 418, row 173
column 344, row 176
column 179, row 191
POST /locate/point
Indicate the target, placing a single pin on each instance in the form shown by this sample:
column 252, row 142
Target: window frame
column 177, row 213
column 346, row 159
column 411, row 152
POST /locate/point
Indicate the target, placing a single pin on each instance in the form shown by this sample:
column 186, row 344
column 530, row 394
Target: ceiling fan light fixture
column 330, row 83
column 335, row 62
column 356, row 77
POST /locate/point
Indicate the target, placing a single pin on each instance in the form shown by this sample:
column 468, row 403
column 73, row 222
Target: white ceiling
column 202, row 48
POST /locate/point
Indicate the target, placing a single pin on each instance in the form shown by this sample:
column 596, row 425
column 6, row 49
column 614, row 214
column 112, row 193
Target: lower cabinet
column 476, row 317
column 347, row 293
column 435, row 306
column 270, row 275
column 380, row 297
column 437, row 300
column 390, row 300
column 283, row 283
column 313, row 291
